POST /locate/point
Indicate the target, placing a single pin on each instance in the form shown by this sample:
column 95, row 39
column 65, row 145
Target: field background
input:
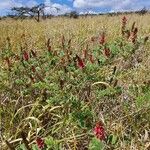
column 80, row 30
column 125, row 115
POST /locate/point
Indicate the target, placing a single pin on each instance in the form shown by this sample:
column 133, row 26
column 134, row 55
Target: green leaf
column 19, row 81
column 34, row 147
column 21, row 147
column 143, row 99
column 51, row 143
column 112, row 139
column 96, row 144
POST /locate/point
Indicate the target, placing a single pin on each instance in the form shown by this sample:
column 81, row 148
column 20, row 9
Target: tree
column 143, row 11
column 34, row 12
column 73, row 14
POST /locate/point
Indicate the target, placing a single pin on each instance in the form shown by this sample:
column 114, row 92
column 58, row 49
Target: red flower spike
column 146, row 39
column 49, row 46
column 8, row 61
column 85, row 53
column 69, row 44
column 124, row 22
column 25, row 56
column 80, row 62
column 55, row 53
column 128, row 34
column 91, row 58
column 32, row 78
column 63, row 42
column 102, row 39
column 134, row 35
column 92, row 39
column 40, row 143
column 33, row 69
column 99, row 131
column 17, row 57
column 48, row 42
column 107, row 52
column 49, row 49
column 135, row 31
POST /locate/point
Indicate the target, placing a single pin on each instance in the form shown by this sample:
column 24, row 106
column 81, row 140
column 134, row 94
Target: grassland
column 57, row 81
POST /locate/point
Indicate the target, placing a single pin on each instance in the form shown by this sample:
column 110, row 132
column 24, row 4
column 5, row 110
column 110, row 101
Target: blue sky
column 89, row 6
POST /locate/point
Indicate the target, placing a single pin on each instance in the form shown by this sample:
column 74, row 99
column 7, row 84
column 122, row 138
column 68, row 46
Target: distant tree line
column 143, row 11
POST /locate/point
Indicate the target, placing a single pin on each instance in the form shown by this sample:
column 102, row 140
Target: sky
column 81, row 6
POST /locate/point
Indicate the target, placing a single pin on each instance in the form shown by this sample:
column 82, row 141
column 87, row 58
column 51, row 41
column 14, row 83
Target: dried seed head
column 69, row 44
column 80, row 62
column 33, row 53
column 63, row 42
column 102, row 39
column 146, row 39
column 133, row 27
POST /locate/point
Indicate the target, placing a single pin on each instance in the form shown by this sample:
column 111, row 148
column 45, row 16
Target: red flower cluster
column 80, row 62
column 107, row 52
column 99, row 131
column 25, row 56
column 134, row 35
column 40, row 143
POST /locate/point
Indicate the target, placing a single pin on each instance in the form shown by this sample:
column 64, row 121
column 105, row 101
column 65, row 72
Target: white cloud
column 52, row 8
column 92, row 3
column 6, row 5
column 116, row 5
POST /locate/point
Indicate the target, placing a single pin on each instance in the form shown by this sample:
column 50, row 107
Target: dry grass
column 80, row 29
